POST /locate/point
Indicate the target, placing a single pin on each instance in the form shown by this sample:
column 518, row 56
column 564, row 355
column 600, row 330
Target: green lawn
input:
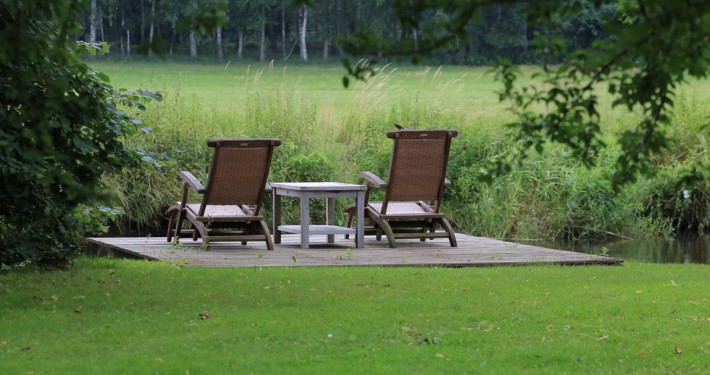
column 224, row 87
column 122, row 316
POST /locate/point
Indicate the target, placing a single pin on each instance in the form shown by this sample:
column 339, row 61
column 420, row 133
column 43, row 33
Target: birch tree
column 303, row 21
column 93, row 21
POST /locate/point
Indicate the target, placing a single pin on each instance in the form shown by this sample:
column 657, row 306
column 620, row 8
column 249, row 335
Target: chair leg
column 385, row 226
column 450, row 230
column 200, row 228
column 432, row 228
column 377, row 223
column 267, row 234
column 178, row 222
column 423, row 231
column 349, row 222
column 172, row 213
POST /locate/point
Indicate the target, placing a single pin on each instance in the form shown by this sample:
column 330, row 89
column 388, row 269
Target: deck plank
column 471, row 251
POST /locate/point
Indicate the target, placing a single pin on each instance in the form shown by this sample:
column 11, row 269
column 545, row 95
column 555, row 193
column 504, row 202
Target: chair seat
column 217, row 211
column 403, row 210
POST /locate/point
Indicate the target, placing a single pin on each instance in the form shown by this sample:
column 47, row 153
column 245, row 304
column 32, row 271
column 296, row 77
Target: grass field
column 471, row 91
column 122, row 316
column 332, row 134
column 127, row 316
column 229, row 86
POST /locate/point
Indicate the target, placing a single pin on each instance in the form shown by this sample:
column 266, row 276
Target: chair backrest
column 238, row 171
column 418, row 166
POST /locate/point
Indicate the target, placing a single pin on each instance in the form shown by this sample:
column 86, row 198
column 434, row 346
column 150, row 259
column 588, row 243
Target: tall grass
column 332, row 134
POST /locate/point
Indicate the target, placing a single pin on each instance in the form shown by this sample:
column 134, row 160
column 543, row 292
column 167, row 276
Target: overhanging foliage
column 651, row 48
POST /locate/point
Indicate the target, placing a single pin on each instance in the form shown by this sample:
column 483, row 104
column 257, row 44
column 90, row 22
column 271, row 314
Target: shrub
column 61, row 132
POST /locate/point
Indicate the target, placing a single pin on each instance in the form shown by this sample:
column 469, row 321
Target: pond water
column 694, row 249
column 690, row 249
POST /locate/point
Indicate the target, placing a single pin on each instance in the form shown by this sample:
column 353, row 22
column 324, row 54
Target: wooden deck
column 471, row 252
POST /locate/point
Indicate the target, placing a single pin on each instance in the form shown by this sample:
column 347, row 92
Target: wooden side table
column 328, row 190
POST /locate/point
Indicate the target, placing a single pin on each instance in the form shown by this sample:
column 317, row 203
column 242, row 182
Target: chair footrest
column 373, row 230
column 421, row 235
column 428, row 215
column 318, row 229
column 253, row 237
column 218, row 238
column 229, row 219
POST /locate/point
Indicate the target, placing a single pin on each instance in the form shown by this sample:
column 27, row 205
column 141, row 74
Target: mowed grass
column 123, row 316
column 223, row 87
column 472, row 91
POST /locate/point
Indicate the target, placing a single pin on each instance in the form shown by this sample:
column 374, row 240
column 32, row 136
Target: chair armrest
column 192, row 181
column 373, row 179
column 267, row 188
column 447, row 183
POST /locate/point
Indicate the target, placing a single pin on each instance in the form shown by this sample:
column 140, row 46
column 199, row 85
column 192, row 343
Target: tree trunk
column 283, row 29
column 123, row 24
column 302, row 33
column 218, row 37
column 128, row 42
column 152, row 27
column 93, row 21
column 262, row 44
column 415, row 37
column 240, row 44
column 326, row 45
column 101, row 24
column 193, row 44
column 142, row 21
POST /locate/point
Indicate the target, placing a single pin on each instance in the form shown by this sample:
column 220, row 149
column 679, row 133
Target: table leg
column 330, row 216
column 360, row 228
column 305, row 218
column 276, row 198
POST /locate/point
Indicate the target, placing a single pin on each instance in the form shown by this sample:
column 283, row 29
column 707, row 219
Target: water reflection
column 679, row 250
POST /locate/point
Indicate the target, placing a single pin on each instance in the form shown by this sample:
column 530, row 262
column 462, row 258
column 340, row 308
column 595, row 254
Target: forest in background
column 265, row 30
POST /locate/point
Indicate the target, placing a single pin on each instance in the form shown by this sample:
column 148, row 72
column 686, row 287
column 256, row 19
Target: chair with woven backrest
column 231, row 199
column 412, row 197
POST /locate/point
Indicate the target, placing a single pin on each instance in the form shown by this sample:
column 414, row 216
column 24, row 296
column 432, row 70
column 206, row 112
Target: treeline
column 278, row 29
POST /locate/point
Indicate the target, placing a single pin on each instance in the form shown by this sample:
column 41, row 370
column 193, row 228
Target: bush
column 61, row 132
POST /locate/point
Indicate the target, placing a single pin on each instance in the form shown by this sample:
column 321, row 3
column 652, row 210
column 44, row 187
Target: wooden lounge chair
column 412, row 199
column 229, row 210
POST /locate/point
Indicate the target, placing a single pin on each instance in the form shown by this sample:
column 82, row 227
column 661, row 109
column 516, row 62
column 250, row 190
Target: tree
column 93, row 21
column 62, row 130
column 303, row 20
column 641, row 62
column 326, row 19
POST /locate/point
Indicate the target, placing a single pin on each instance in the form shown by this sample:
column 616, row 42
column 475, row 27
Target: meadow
column 330, row 133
